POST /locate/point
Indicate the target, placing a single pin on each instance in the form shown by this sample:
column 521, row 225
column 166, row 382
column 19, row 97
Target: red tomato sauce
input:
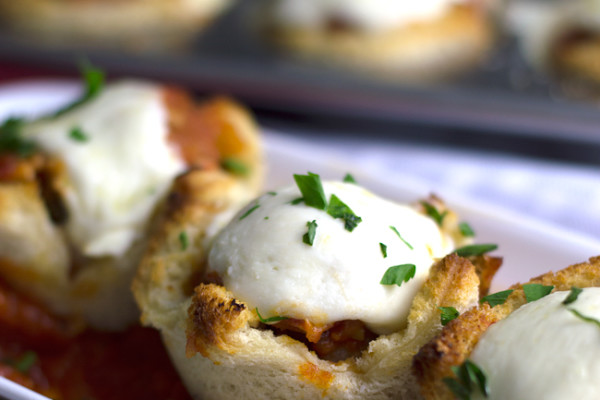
column 73, row 365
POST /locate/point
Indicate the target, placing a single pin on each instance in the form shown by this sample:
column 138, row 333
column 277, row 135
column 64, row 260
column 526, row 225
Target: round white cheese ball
column 544, row 351
column 263, row 260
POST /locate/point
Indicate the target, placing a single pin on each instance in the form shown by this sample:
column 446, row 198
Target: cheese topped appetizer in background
column 319, row 289
column 560, row 37
column 407, row 40
column 139, row 25
column 533, row 341
column 79, row 188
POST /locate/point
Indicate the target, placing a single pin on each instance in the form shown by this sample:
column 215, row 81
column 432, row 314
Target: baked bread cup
column 431, row 47
column 73, row 229
column 132, row 24
column 461, row 337
column 560, row 38
column 224, row 349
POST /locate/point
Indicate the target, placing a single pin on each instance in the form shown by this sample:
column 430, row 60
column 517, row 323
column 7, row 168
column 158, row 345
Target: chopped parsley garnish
column 469, row 377
column 11, row 138
column 272, row 193
column 184, row 241
column 383, row 249
column 94, row 83
column 309, row 237
column 312, row 190
column 250, row 210
column 496, row 299
column 25, row 362
column 269, row 320
column 349, row 179
column 573, row 295
column 535, row 291
column 466, row 229
column 584, row 317
column 398, row 274
column 77, row 134
column 448, row 314
column 434, row 213
column 11, row 130
column 235, row 166
column 297, row 200
column 339, row 209
column 313, row 196
column 475, row 249
column 400, row 236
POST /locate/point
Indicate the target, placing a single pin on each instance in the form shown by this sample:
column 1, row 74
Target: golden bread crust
column 213, row 315
column 458, row 339
column 166, row 273
column 418, row 52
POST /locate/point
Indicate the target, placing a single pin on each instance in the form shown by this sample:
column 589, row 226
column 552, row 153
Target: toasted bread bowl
column 429, row 48
column 132, row 24
column 61, row 249
column 462, row 337
column 224, row 349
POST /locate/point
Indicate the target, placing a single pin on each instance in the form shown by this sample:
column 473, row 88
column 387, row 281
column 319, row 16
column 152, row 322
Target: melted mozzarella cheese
column 263, row 260
column 543, row 351
column 117, row 175
column 368, row 15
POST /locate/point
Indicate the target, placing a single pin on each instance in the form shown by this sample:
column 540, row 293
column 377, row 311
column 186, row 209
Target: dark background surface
column 503, row 106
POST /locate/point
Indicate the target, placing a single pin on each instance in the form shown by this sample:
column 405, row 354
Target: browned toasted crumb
column 213, row 315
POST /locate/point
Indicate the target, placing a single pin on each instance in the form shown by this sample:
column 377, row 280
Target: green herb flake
column 401, row 238
column 457, row 388
column 434, row 213
column 584, row 317
column 77, row 134
column 496, row 299
column 269, row 320
column 250, row 210
column 184, row 241
column 349, row 179
column 296, row 201
column 272, row 193
column 383, row 249
column 11, row 138
column 26, row 361
column 448, row 314
column 309, row 237
column 398, row 274
column 469, row 376
column 475, row 249
column 235, row 166
column 93, row 78
column 572, row 296
column 339, row 209
column 535, row 291
column 466, row 230
column 312, row 190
